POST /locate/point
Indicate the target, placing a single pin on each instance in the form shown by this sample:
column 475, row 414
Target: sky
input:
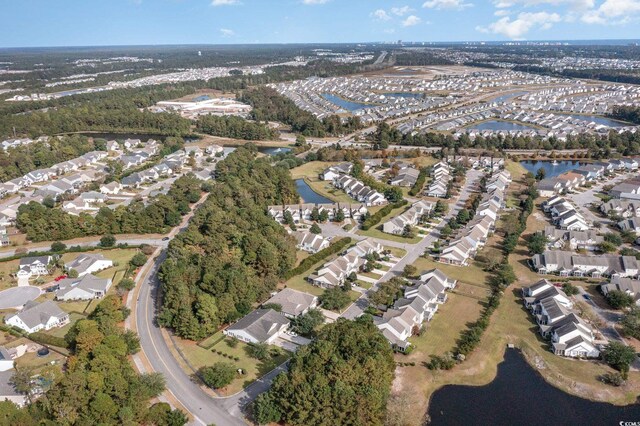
column 33, row 23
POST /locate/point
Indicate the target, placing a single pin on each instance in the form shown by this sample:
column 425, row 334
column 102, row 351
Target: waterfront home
column 38, row 316
column 293, row 303
column 569, row 335
column 259, row 326
column 334, row 172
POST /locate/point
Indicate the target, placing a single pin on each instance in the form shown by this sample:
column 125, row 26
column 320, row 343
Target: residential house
column 334, row 172
column 88, row 263
column 625, row 285
column 86, row 287
column 293, row 302
column 30, row 266
column 38, row 316
column 411, row 217
column 310, row 242
column 567, row 264
column 259, row 326
column 632, row 225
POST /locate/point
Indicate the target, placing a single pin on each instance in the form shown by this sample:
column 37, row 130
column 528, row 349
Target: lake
column 520, row 396
column 498, row 125
column 308, row 195
column 551, row 170
column 345, row 104
column 601, row 120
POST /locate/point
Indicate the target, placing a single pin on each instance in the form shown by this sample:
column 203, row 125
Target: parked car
column 61, row 277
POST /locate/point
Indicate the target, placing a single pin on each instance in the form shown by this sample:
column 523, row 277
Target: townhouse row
column 334, row 273
column 569, row 335
column 564, row 215
column 419, row 303
column 303, row 212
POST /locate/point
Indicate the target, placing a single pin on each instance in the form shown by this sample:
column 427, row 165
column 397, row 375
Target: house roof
column 261, row 324
column 84, row 261
column 293, row 302
column 89, row 283
column 34, row 314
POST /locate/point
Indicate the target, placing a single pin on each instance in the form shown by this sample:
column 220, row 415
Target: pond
column 499, row 125
column 273, row 150
column 520, row 396
column 551, row 169
column 308, row 195
column 508, row 96
column 345, row 104
column 601, row 120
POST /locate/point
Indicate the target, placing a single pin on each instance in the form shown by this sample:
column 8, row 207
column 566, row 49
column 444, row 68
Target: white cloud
column 613, row 12
column 315, row 1
column 226, row 33
column 502, row 12
column 572, row 4
column 411, row 21
column 525, row 22
column 401, row 11
column 446, row 4
column 224, row 2
column 390, row 30
column 381, row 15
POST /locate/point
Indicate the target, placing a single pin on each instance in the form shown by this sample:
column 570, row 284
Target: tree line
column 235, row 127
column 269, row 105
column 42, row 223
column 233, row 253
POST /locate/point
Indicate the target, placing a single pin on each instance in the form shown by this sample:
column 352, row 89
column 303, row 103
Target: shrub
column 58, row 246
column 138, row 260
column 108, row 241
column 126, row 284
column 46, row 339
column 218, row 375
column 308, row 262
column 375, row 218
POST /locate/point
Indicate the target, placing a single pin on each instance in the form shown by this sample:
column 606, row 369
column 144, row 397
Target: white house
column 88, row 263
column 38, row 316
column 260, row 326
column 86, row 287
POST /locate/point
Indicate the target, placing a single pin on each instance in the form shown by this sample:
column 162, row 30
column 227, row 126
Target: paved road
column 91, row 243
column 414, row 251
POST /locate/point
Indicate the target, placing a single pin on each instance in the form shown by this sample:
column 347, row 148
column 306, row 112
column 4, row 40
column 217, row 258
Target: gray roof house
column 294, row 303
column 260, row 326
column 85, row 288
column 87, row 263
column 37, row 316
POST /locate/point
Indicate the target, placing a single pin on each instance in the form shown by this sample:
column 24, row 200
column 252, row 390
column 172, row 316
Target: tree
column 619, row 299
column 72, row 273
column 315, row 229
column 505, row 275
column 446, row 231
column 612, row 238
column 306, row 324
column 630, row 322
column 153, row 384
column 218, row 375
column 275, row 306
column 126, row 284
column 58, row 246
column 339, row 216
column 334, row 299
column 354, row 351
column 138, row 260
column 301, row 140
column 22, row 380
column 570, row 289
column 388, row 292
column 408, row 232
column 619, row 356
column 537, row 243
column 409, row 271
column 323, row 216
column 540, row 174
column 463, row 216
column 259, row 351
column 607, row 247
column 49, row 202
column 108, row 241
column 393, row 194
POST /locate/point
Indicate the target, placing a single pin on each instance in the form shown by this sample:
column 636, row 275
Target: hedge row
column 417, row 187
column 72, row 249
column 374, row 219
column 15, row 332
column 308, row 262
column 47, row 339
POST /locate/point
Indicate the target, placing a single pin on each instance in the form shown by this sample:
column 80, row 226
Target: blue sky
column 122, row 22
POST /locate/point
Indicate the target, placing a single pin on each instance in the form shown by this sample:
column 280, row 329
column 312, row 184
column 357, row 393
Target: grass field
column 311, row 169
column 444, row 329
column 472, row 274
column 376, row 231
column 199, row 357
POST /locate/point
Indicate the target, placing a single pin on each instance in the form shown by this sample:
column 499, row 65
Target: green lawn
column 376, row 231
column 62, row 331
column 472, row 273
column 311, row 169
column 199, row 357
column 363, row 284
column 371, row 275
column 299, row 283
column 444, row 329
column 326, row 189
column 396, row 252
